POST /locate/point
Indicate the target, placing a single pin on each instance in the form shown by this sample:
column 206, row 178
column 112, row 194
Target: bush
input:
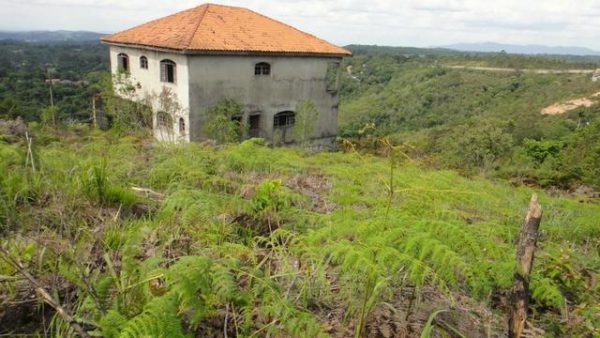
column 476, row 145
column 223, row 122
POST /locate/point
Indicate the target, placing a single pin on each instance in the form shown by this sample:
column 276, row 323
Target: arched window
column 123, row 62
column 262, row 68
column 284, row 120
column 168, row 71
column 163, row 120
column 143, row 62
column 181, row 126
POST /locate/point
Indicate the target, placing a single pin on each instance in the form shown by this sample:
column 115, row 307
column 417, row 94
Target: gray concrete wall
column 292, row 81
column 150, row 85
column 203, row 81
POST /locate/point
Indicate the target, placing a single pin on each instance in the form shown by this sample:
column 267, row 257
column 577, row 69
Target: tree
column 477, row 145
column 223, row 121
column 49, row 115
column 305, row 120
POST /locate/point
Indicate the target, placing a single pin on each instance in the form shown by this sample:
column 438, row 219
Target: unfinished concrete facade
column 268, row 73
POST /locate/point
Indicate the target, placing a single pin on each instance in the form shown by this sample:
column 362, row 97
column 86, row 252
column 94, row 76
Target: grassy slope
column 442, row 231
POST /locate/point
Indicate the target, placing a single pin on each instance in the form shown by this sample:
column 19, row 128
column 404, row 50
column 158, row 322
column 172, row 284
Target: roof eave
column 227, row 52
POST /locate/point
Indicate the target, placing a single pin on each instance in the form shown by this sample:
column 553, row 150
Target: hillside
column 280, row 243
column 439, row 111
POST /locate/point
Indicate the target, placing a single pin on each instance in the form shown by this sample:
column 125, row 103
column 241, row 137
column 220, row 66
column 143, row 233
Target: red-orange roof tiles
column 217, row 28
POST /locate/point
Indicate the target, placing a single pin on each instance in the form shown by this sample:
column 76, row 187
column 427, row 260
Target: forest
column 408, row 229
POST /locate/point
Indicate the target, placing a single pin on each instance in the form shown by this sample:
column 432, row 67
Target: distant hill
column 51, row 36
column 390, row 50
column 491, row 47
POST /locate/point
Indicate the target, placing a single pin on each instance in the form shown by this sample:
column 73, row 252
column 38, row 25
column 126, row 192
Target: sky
column 419, row 23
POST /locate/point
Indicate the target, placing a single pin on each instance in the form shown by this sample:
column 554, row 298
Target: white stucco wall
column 151, row 85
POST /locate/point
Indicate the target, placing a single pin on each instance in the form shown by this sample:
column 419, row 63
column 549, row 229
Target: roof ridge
column 200, row 19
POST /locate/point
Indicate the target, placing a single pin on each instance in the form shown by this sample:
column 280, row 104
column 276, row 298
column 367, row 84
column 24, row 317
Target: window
column 284, row 119
column 123, row 62
column 181, row 126
column 163, row 120
column 262, row 68
column 143, row 62
column 168, row 70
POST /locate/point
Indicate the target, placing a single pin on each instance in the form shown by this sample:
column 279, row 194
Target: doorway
column 254, row 125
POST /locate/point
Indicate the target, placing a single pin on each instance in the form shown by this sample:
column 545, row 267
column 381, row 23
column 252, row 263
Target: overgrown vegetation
column 475, row 121
column 137, row 238
column 223, row 122
column 280, row 242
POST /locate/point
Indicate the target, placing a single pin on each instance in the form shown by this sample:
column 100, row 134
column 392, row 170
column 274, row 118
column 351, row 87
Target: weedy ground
column 250, row 241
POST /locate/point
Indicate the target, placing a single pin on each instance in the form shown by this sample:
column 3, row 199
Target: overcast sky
column 383, row 22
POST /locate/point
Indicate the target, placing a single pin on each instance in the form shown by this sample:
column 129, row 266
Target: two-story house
column 212, row 52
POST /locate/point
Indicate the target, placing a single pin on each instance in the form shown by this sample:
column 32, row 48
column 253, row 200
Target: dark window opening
column 168, row 71
column 143, row 62
column 254, row 126
column 284, row 119
column 123, row 62
column 181, row 125
column 262, row 68
column 163, row 120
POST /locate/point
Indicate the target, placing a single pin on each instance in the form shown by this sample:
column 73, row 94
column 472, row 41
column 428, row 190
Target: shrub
column 223, row 121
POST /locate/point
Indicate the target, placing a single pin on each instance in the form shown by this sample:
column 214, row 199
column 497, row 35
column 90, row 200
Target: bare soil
column 566, row 106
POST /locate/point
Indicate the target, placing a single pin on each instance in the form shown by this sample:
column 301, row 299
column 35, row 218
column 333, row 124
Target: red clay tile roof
column 217, row 28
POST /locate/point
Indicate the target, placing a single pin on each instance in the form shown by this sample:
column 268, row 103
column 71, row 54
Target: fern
column 159, row 319
column 545, row 291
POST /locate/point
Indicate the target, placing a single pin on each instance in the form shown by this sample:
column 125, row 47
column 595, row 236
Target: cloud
column 383, row 22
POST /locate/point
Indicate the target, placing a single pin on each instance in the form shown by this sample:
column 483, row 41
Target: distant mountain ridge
column 492, row 47
column 51, row 36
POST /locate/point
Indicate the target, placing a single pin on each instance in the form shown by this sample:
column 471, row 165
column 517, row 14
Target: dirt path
column 525, row 70
column 566, row 106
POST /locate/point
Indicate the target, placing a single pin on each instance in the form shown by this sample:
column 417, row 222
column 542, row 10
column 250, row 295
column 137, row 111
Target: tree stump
column 525, row 254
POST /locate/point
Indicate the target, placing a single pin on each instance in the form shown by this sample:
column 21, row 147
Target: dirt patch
column 22, row 312
column 316, row 187
column 406, row 315
column 564, row 107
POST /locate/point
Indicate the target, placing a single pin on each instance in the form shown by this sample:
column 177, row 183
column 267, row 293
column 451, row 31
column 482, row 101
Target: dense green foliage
column 223, row 122
column 25, row 67
column 275, row 239
column 475, row 120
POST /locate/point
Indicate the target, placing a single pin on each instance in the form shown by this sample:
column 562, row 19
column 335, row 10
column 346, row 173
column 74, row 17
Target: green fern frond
column 159, row 319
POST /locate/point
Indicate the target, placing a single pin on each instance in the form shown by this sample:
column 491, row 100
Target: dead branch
column 67, row 317
column 148, row 193
column 29, row 151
